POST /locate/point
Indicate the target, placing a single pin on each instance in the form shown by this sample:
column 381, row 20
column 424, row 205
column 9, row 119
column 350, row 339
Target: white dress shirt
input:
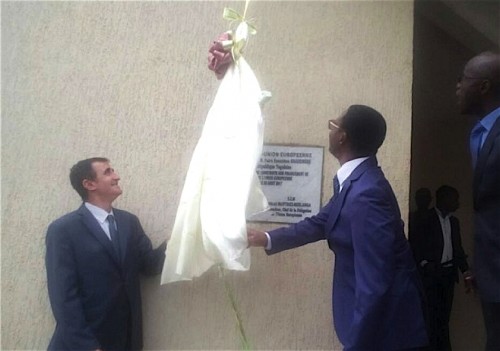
column 347, row 168
column 101, row 216
column 446, row 229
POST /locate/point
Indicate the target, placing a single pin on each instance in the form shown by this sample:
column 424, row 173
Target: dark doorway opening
column 446, row 35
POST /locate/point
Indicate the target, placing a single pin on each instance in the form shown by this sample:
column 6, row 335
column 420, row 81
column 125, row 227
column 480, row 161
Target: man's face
column 469, row 90
column 452, row 202
column 337, row 135
column 105, row 185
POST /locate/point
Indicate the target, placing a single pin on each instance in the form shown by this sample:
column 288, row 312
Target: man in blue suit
column 94, row 259
column 376, row 293
column 478, row 92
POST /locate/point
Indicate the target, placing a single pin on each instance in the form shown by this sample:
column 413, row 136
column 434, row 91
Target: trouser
column 439, row 289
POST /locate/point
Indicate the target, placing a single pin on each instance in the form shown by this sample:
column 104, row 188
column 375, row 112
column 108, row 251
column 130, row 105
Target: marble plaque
column 291, row 180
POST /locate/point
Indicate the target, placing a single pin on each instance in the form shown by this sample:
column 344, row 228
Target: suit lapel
column 484, row 153
column 96, row 230
column 338, row 202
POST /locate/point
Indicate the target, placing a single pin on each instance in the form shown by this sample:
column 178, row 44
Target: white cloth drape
column 221, row 186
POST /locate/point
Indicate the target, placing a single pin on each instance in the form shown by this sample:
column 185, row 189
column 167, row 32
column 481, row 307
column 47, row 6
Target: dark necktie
column 475, row 142
column 336, row 186
column 113, row 233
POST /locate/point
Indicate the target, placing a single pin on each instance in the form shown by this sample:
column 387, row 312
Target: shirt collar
column 440, row 214
column 489, row 120
column 347, row 168
column 99, row 214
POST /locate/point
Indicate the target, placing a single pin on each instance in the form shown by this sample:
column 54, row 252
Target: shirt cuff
column 269, row 245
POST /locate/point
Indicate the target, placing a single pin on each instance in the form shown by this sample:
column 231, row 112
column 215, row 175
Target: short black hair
column 365, row 128
column 83, row 170
column 423, row 197
column 444, row 191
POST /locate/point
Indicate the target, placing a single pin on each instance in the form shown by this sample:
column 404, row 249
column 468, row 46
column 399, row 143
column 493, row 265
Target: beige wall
column 128, row 80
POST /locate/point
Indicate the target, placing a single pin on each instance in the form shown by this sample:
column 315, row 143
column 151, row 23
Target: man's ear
column 485, row 87
column 88, row 184
column 342, row 137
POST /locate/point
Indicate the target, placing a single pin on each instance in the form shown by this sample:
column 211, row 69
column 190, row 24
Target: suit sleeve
column 309, row 230
column 64, row 291
column 373, row 227
column 151, row 260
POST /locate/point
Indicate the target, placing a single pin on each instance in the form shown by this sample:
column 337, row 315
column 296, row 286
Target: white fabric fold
column 221, row 187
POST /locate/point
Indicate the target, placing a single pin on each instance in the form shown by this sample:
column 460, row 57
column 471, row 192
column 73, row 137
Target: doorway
column 446, row 35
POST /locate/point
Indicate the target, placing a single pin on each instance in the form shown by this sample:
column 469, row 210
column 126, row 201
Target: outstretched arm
column 306, row 231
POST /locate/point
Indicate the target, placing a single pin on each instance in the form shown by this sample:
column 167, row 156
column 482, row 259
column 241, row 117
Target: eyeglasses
column 463, row 76
column 332, row 125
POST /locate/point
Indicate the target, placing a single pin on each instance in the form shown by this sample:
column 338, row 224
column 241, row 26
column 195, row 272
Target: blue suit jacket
column 95, row 296
column 486, row 194
column 376, row 292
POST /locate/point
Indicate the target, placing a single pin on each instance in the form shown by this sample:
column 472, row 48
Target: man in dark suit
column 94, row 257
column 437, row 246
column 478, row 92
column 376, row 296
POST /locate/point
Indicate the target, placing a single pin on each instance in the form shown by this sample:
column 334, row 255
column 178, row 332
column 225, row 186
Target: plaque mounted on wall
column 291, row 180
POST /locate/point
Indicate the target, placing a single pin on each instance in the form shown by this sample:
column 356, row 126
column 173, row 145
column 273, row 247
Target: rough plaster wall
column 128, row 80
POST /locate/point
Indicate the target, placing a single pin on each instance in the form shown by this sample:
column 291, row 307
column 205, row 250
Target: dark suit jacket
column 377, row 298
column 486, row 194
column 96, row 298
column 428, row 242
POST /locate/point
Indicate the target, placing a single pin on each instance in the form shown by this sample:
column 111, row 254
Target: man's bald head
column 479, row 87
column 486, row 65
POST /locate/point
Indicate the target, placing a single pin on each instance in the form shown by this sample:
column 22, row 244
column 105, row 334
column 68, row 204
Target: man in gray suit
column 478, row 92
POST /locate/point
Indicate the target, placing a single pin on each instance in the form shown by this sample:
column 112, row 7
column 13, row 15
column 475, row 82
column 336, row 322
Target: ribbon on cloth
column 228, row 47
column 242, row 32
